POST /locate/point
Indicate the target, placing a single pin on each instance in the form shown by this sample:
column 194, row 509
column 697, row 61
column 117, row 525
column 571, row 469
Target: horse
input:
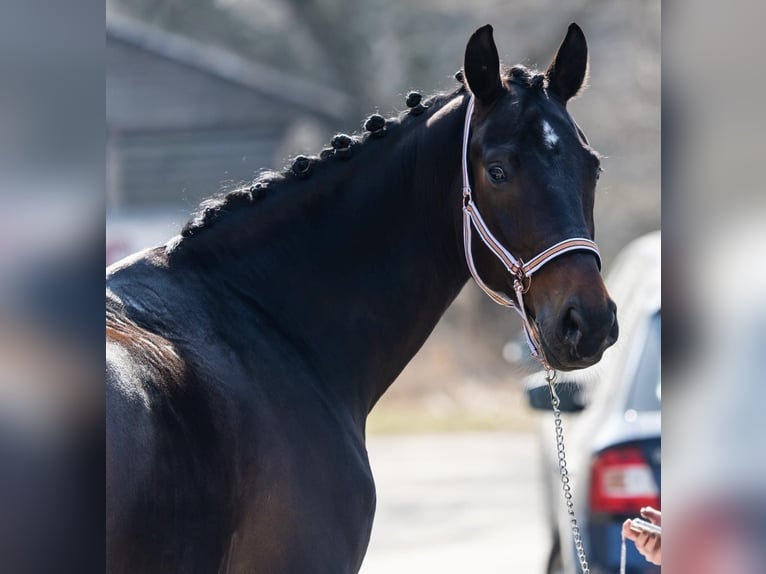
column 244, row 355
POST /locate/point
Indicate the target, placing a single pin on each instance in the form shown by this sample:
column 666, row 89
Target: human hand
column 649, row 545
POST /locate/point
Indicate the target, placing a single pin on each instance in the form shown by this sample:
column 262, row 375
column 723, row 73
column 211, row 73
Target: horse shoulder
column 168, row 468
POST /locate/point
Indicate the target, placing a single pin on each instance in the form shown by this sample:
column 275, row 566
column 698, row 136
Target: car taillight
column 622, row 482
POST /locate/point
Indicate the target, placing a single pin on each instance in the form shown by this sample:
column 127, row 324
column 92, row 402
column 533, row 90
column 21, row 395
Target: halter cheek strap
column 522, row 272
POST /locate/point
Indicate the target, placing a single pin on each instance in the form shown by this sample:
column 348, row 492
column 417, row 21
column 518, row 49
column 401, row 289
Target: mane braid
column 217, row 207
column 525, row 77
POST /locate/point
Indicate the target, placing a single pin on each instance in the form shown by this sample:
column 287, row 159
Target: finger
column 642, row 543
column 626, row 527
column 655, row 554
column 628, row 532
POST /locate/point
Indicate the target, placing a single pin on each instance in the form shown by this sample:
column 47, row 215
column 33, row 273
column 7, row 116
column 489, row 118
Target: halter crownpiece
column 521, row 271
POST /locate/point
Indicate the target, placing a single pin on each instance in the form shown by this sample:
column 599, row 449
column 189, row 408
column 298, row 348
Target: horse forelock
column 343, row 149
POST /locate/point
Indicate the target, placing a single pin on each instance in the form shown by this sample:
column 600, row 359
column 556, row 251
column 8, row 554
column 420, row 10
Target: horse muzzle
column 579, row 335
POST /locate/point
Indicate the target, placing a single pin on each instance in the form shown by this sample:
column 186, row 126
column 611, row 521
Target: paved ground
column 456, row 503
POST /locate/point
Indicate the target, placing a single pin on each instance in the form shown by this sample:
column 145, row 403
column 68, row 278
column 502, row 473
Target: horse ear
column 482, row 65
column 566, row 73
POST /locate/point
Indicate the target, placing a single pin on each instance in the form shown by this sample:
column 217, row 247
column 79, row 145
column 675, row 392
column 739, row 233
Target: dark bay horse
column 244, row 356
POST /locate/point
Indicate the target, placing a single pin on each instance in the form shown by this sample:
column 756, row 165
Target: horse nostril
column 614, row 330
column 572, row 324
column 586, row 333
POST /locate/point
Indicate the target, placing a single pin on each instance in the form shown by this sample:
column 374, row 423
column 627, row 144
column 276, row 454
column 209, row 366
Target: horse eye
column 599, row 169
column 497, row 174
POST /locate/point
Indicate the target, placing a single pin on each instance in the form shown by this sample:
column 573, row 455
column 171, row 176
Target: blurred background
column 51, row 287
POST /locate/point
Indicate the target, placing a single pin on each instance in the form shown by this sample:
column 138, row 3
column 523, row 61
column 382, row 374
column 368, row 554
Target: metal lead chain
column 550, row 377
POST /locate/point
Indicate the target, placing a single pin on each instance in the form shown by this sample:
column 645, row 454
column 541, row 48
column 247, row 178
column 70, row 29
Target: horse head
column 533, row 175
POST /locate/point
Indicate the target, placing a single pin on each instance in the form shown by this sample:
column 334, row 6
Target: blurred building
column 186, row 120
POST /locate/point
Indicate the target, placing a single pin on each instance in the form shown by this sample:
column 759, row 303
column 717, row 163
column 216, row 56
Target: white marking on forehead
column 549, row 136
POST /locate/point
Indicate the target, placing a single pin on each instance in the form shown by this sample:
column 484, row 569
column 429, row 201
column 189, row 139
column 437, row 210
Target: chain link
column 550, row 377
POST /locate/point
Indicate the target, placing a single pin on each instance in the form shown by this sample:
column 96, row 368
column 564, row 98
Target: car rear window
column 645, row 392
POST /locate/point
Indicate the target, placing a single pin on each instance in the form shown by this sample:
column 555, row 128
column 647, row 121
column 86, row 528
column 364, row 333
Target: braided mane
column 528, row 78
column 342, row 148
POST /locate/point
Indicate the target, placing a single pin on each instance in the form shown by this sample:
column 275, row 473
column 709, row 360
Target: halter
column 521, row 271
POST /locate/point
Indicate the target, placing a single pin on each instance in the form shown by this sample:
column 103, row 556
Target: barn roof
column 228, row 66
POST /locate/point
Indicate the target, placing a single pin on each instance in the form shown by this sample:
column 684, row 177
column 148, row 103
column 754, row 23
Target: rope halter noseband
column 521, row 272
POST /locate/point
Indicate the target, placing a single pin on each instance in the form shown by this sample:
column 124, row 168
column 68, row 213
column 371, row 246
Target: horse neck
column 359, row 280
